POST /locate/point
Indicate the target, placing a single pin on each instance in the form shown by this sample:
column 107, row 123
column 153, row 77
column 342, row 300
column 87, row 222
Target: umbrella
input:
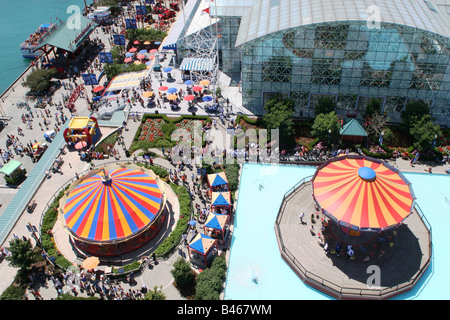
column 197, row 88
column 362, row 193
column 136, row 42
column 137, row 62
column 172, row 96
column 147, row 42
column 132, row 50
column 207, row 98
column 80, row 145
column 172, row 90
column 127, row 60
column 141, row 56
column 168, row 69
column 204, row 82
column 90, row 263
column 158, row 42
column 148, row 63
column 192, row 222
column 151, row 57
column 188, row 82
column 147, row 94
column 129, row 54
column 153, row 51
column 143, row 51
column 163, row 88
column 189, row 97
column 98, row 89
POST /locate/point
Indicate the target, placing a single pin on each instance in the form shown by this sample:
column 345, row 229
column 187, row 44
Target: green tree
column 39, row 80
column 210, row 281
column 326, row 126
column 143, row 35
column 425, row 133
column 325, row 105
column 374, row 106
column 413, row 110
column 184, row 276
column 279, row 115
column 22, row 255
column 155, row 294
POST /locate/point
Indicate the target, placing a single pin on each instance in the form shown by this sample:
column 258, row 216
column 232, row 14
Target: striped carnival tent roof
column 216, row 221
column 115, row 209
column 197, row 64
column 220, row 198
column 217, row 179
column 362, row 193
column 202, row 243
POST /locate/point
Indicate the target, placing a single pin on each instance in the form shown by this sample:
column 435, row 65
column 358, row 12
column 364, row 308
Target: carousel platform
column 401, row 254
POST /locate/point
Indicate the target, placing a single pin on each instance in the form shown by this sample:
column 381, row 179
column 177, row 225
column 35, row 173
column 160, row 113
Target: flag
column 205, row 11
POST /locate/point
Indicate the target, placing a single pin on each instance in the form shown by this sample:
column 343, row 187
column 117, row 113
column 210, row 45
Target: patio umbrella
column 127, row 60
column 207, row 98
column 172, row 90
column 168, row 69
column 143, row 51
column 197, row 88
column 158, row 42
column 163, row 88
column 172, row 96
column 148, row 63
column 137, row 62
column 80, row 145
column 147, row 42
column 136, row 42
column 189, row 97
column 147, row 94
column 153, row 51
column 204, row 82
column 90, row 263
column 98, row 89
column 129, row 54
column 188, row 82
column 141, row 56
column 192, row 222
column 132, row 50
column 362, row 193
column 151, row 57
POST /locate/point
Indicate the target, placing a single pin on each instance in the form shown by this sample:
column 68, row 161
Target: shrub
column 210, row 281
column 13, row 292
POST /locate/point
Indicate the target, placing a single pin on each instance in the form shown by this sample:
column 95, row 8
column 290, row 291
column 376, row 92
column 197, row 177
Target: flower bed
column 151, row 129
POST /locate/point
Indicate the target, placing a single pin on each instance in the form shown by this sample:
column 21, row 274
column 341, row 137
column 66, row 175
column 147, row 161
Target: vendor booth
column 216, row 226
column 82, row 129
column 221, row 202
column 202, row 249
column 13, row 172
column 218, row 181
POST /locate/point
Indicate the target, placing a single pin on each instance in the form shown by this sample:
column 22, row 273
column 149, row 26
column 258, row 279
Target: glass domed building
column 350, row 50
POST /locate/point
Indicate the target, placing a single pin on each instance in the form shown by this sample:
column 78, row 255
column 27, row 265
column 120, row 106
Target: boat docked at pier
column 29, row 48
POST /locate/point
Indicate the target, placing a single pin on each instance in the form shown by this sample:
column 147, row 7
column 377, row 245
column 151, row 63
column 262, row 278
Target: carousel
column 355, row 211
column 109, row 212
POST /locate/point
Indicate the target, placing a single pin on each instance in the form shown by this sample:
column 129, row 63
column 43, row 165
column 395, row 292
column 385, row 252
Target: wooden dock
column 400, row 267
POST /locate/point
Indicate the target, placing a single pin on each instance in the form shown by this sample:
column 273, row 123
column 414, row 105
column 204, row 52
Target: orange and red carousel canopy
column 362, row 193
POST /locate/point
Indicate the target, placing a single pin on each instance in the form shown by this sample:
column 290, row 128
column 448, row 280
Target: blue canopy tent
column 202, row 245
column 221, row 200
column 217, row 224
column 218, row 181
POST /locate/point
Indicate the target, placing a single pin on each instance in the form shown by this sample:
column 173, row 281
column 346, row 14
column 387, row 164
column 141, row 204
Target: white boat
column 100, row 13
column 29, row 46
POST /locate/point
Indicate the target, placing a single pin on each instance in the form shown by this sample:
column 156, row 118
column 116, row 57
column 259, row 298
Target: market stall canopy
column 217, row 179
column 196, row 64
column 220, row 198
column 67, row 37
column 353, row 128
column 362, row 193
column 202, row 243
column 10, row 167
column 106, row 210
column 216, row 221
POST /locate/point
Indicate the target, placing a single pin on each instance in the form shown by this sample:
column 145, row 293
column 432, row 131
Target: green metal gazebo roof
column 69, row 35
column 10, row 167
column 353, row 128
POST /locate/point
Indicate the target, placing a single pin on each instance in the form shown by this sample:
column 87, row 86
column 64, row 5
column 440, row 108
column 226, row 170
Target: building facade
column 397, row 51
